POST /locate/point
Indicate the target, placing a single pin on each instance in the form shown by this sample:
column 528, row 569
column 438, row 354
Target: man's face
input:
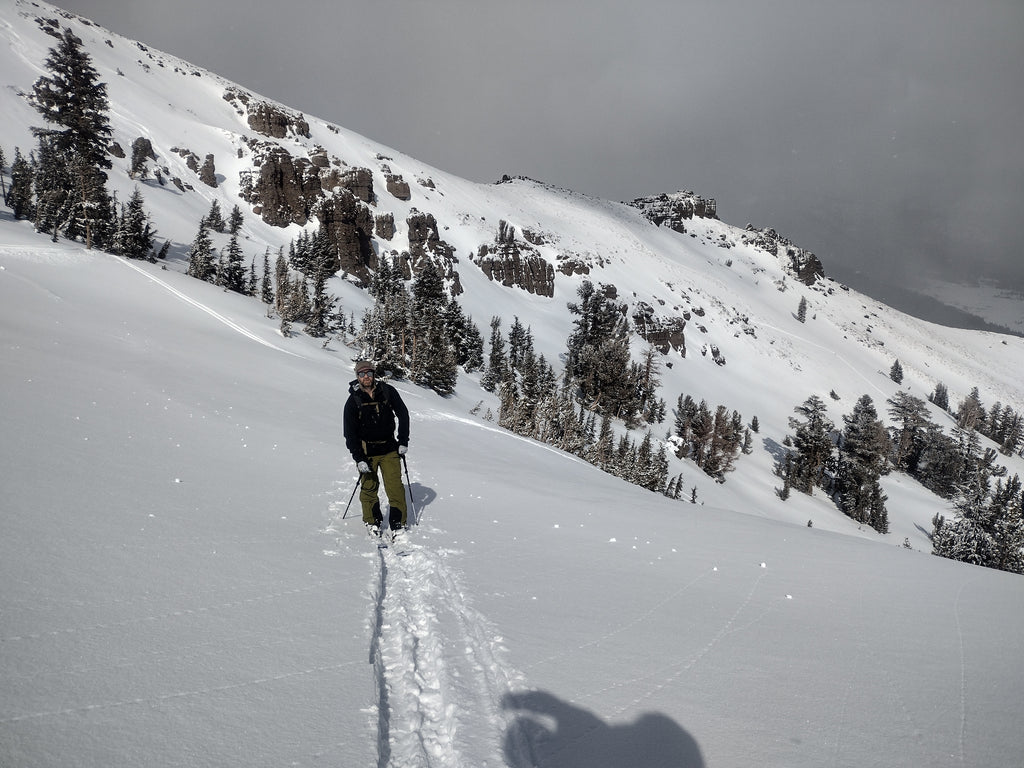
column 365, row 379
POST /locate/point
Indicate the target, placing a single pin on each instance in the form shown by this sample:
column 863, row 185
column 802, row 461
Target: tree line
column 847, row 465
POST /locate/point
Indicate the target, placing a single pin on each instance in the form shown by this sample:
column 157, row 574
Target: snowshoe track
column 438, row 666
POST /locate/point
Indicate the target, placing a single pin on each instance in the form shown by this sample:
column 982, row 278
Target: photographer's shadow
column 551, row 733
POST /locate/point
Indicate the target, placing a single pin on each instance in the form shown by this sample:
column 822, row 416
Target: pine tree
column 812, row 445
column 971, row 412
column 896, row 372
column 908, row 436
column 940, row 397
column 318, row 324
column 234, row 266
column 72, row 98
column 140, row 154
column 19, row 198
column 801, row 310
column 52, row 183
column 282, row 283
column 863, row 450
column 200, row 258
column 235, row 220
column 497, row 360
column 214, row 218
column 266, row 285
column 134, row 235
column 426, row 315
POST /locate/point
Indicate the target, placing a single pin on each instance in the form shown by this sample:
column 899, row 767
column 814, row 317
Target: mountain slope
column 183, row 586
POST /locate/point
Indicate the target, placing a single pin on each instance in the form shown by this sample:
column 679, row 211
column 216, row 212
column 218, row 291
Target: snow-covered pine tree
column 234, row 266
column 940, row 397
column 971, row 412
column 266, row 284
column 497, row 360
column 19, row 197
column 72, row 97
column 235, row 220
column 896, row 372
column 214, row 217
column 320, row 321
column 812, row 445
column 201, row 263
column 864, row 448
column 134, row 235
column 282, row 282
column 910, row 415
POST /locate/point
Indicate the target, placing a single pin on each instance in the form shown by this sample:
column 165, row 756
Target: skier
column 370, row 413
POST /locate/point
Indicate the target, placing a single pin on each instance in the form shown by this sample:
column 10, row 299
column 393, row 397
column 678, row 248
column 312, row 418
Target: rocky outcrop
column 349, row 225
column 662, row 333
column 208, row 172
column 397, row 186
column 384, row 225
column 673, row 210
column 286, row 188
column 513, row 262
column 266, row 118
column 802, row 264
column 359, row 181
column 424, row 239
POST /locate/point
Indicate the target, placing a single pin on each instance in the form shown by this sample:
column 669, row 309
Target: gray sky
column 887, row 136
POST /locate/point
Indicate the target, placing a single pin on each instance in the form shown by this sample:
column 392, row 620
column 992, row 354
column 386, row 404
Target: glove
column 363, row 467
column 403, row 449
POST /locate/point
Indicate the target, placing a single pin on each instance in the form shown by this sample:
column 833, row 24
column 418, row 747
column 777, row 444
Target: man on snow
column 370, row 413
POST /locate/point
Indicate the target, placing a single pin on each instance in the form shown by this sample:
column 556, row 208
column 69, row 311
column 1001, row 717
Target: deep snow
column 181, row 588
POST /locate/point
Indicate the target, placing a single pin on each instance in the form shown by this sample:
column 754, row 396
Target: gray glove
column 403, row 449
column 363, row 467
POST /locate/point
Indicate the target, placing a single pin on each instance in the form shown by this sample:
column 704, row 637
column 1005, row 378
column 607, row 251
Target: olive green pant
column 390, row 467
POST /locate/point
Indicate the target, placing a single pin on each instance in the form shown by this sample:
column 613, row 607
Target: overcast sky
column 887, row 136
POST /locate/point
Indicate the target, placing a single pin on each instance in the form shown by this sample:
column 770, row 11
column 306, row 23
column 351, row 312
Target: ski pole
column 358, row 480
column 412, row 501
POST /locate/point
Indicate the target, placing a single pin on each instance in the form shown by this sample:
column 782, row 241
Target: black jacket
column 370, row 422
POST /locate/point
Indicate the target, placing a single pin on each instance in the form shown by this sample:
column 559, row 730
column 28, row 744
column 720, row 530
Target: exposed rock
column 266, row 118
column 516, row 263
column 570, row 264
column 116, row 150
column 359, row 181
column 802, row 264
column 208, row 173
column 397, row 186
column 190, row 157
column 384, row 225
column 672, row 210
column 424, row 238
column 318, row 157
column 286, row 189
column 349, row 224
column 663, row 334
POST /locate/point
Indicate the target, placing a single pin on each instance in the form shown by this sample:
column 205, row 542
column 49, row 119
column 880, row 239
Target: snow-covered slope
column 739, row 298
column 181, row 587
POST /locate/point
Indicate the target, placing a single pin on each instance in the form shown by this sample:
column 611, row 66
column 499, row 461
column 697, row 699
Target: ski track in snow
column 438, row 666
column 199, row 305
